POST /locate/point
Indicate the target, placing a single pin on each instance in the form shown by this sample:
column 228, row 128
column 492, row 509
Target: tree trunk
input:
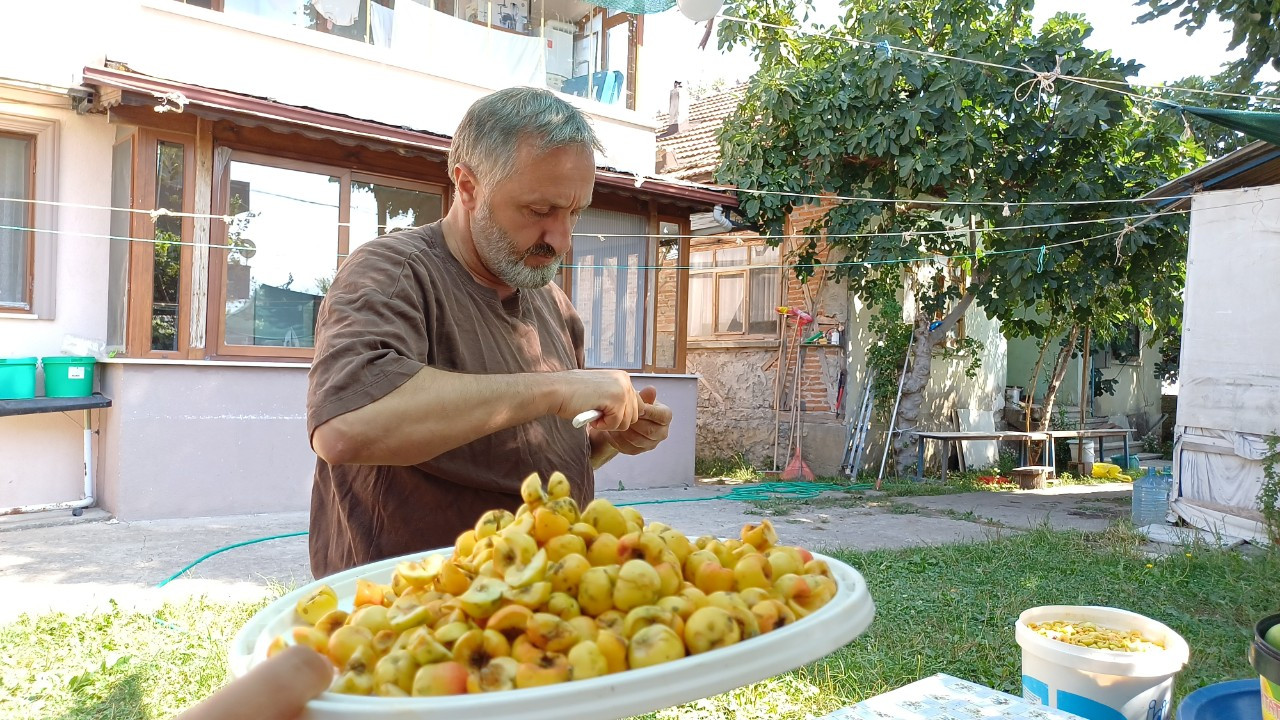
column 1035, row 383
column 913, row 396
column 1059, row 372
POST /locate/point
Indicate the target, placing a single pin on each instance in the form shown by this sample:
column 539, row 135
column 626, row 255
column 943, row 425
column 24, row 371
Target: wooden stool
column 1032, row 477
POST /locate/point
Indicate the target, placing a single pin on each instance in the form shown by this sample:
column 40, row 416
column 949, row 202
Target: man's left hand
column 646, row 432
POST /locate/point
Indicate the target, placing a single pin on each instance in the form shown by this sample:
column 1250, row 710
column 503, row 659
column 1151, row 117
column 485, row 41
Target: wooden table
column 1098, row 434
column 948, row 437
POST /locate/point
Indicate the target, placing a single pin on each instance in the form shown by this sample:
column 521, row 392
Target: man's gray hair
column 492, row 129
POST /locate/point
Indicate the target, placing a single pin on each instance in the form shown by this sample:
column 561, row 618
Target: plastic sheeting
column 1229, row 397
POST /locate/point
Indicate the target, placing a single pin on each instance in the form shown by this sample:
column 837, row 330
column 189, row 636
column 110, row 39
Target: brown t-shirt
column 399, row 303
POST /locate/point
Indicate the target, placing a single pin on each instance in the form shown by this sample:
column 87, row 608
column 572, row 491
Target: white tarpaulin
column 1229, row 377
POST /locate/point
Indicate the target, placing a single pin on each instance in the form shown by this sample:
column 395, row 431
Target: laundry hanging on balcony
column 636, row 7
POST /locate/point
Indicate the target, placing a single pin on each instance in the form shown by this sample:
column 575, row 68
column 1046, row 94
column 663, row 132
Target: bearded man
column 449, row 366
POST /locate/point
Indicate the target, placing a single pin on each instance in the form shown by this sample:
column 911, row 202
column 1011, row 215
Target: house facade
column 179, row 182
column 735, row 335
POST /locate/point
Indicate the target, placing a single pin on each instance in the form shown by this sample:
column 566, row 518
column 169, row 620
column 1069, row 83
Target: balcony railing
column 566, row 45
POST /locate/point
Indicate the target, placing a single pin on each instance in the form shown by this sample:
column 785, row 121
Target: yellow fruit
column 532, row 596
column 521, row 525
column 384, row 641
column 558, row 486
column 565, row 545
column 441, row 678
column 408, row 611
column 771, row 614
column 586, row 531
column 604, row 517
column 483, row 598
column 614, row 648
column 761, row 537
column 694, row 595
column 465, row 544
column 332, row 621
column 529, row 573
column 421, row 574
column 531, row 490
column 523, row 650
column 638, row 584
column 669, row 575
column 632, row 515
column 552, row 633
column 817, row 567
column 396, row 668
column 612, row 620
column 586, row 627
column 449, row 634
column 710, row 628
column 346, row 641
column 423, row 647
column 371, row 617
column 697, row 559
column 310, row 637
column 491, row 522
column 353, row 683
column 654, row 645
column 595, row 591
column 564, row 605
column 477, row 647
column 753, row 571
column 548, row 669
column 603, row 550
column 499, row 674
column 452, row 579
column 712, row 577
column 642, row 617
column 317, row 603
column 566, row 573
column 565, row 508
column 586, row 660
column 677, row 604
column 369, row 593
column 511, row 620
column 513, row 551
column 547, row 525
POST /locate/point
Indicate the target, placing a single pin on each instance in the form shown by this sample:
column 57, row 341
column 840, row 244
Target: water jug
column 1150, row 498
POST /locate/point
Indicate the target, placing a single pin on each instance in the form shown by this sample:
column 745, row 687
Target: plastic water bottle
column 1150, row 499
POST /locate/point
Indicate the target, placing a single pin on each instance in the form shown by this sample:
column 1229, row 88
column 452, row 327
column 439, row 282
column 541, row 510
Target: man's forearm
column 434, row 412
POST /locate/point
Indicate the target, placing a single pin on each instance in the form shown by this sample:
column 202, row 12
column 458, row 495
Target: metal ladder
column 860, row 429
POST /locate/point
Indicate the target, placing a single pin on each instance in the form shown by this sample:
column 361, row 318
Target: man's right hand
column 609, row 391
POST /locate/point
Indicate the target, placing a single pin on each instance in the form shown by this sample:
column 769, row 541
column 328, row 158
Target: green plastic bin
column 17, row 378
column 1120, row 460
column 68, row 377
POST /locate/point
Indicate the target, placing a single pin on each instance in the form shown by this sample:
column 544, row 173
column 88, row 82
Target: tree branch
column 958, row 310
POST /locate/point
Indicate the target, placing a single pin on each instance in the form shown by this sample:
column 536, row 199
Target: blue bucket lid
column 1232, row 700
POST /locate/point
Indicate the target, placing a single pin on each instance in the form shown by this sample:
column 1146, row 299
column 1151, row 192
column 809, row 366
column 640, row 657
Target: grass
column 939, row 609
column 116, row 665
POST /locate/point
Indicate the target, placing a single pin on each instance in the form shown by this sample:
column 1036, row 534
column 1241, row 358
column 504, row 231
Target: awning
column 1257, row 125
column 176, row 96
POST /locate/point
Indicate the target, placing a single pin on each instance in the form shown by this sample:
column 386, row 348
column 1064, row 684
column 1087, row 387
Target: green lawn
column 942, row 609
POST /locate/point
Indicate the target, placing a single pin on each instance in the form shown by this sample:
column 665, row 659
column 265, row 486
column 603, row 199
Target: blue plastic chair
column 604, row 86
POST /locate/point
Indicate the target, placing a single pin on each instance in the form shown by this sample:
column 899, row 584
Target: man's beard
column 499, row 253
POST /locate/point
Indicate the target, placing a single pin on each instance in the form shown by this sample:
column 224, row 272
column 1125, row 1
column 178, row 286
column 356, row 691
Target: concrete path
column 70, row 564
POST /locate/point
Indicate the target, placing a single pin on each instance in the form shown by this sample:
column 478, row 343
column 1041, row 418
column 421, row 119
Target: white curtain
column 609, row 287
column 14, row 183
column 434, row 41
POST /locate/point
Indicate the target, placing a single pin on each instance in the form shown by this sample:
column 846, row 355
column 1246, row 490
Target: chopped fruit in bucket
column 1087, row 634
column 551, row 594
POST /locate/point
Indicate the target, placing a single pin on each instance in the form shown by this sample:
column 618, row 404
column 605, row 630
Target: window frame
column 715, row 271
column 28, row 273
column 42, row 241
column 215, row 340
column 142, row 251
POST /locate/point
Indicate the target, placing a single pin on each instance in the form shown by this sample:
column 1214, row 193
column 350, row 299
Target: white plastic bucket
column 1100, row 684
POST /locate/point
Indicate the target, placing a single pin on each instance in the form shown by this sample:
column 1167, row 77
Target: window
column 293, row 223
column 609, row 286
column 17, row 239
column 734, row 291
column 367, row 21
column 665, row 306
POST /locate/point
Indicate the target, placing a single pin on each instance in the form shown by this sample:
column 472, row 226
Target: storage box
column 17, row 378
column 68, row 377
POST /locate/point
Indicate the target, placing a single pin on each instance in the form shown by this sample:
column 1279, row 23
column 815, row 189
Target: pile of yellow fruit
column 1087, row 634
column 550, row 594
